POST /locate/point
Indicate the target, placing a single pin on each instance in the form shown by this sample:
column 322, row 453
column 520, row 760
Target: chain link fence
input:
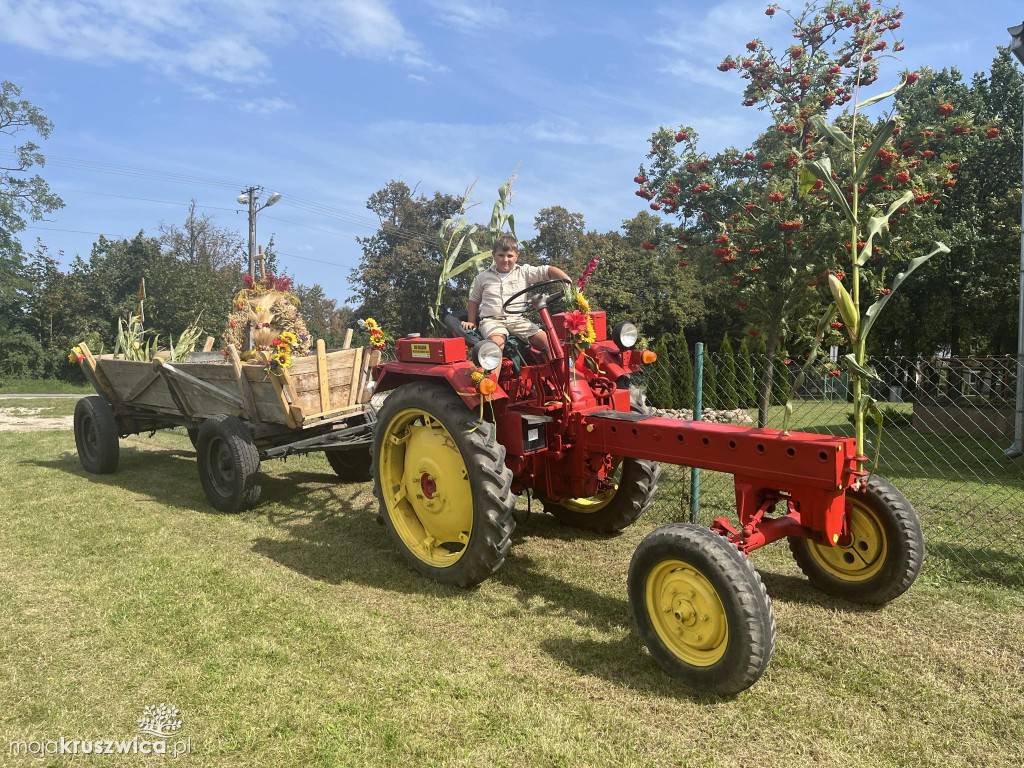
column 947, row 423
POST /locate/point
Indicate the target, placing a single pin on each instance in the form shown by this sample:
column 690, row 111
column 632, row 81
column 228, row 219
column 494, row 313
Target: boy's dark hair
column 506, row 242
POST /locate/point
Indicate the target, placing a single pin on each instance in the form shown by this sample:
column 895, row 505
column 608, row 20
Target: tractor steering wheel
column 539, row 301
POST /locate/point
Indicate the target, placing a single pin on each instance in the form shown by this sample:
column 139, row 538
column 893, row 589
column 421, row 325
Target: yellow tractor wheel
column 701, row 609
column 633, row 485
column 444, row 490
column 881, row 555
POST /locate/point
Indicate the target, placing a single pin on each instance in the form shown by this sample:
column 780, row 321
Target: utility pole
column 252, row 231
column 249, row 197
column 1017, row 449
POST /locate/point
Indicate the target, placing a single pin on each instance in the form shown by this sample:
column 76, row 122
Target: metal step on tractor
column 458, row 439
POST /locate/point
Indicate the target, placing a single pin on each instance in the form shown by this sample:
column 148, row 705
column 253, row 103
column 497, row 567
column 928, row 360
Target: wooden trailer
column 236, row 414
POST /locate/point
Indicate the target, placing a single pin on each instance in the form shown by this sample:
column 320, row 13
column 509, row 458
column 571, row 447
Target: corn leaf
column 821, row 125
column 879, row 96
column 468, row 263
column 877, row 223
column 873, row 311
column 869, row 156
column 807, row 180
column 856, row 369
column 822, row 169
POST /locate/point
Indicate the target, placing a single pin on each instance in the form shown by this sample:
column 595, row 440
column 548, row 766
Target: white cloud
column 219, row 40
column 470, row 16
column 698, row 43
column 267, row 105
column 365, row 28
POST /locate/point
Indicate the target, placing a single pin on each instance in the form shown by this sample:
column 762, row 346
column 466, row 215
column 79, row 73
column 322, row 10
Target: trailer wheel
column 444, row 490
column 633, row 486
column 883, row 556
column 701, row 608
column 351, row 464
column 193, row 435
column 229, row 464
column 96, row 435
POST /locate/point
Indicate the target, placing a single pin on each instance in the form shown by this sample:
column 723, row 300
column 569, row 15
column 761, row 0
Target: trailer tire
column 620, row 507
column 351, row 464
column 445, row 493
column 96, row 435
column 884, row 555
column 193, row 435
column 229, row 464
column 701, row 608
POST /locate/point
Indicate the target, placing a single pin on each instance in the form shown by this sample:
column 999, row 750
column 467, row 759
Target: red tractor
column 458, row 439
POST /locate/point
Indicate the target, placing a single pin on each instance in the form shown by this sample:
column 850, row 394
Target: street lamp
column 250, row 197
column 1017, row 449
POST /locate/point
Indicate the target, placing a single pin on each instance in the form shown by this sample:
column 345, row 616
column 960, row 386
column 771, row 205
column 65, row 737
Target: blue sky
column 324, row 102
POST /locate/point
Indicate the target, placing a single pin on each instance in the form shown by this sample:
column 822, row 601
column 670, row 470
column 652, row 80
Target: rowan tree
column 765, row 215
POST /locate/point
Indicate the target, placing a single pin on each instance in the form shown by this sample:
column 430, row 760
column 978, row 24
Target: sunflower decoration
column 377, row 338
column 267, row 308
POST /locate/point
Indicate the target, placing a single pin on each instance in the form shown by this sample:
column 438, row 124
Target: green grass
column 43, row 386
column 294, row 634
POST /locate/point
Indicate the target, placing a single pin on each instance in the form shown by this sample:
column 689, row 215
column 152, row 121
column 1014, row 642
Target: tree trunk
column 764, row 397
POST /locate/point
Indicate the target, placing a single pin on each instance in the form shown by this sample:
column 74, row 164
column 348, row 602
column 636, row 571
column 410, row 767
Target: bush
column 23, row 356
column 682, row 380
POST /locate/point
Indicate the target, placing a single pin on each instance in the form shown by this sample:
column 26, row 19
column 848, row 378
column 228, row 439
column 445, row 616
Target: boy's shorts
column 518, row 325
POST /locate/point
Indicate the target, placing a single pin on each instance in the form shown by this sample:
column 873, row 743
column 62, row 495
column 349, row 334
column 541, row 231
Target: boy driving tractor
column 503, row 279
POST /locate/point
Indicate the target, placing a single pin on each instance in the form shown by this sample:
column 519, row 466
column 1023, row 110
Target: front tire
column 883, row 556
column 96, row 435
column 633, row 487
column 229, row 464
column 442, row 484
column 701, row 609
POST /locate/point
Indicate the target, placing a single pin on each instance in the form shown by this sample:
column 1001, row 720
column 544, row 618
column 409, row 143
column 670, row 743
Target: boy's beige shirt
column 490, row 291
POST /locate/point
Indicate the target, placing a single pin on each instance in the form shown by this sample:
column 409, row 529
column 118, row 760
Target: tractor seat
column 519, row 352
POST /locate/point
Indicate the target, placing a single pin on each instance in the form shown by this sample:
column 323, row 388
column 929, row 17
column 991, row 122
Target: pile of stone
column 737, row 416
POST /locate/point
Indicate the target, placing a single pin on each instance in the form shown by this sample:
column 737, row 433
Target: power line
column 309, row 206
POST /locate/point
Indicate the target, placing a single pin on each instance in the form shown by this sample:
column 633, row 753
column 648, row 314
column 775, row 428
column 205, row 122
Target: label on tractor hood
column 420, row 350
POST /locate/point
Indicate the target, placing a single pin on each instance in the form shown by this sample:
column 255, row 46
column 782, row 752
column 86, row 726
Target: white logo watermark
column 158, row 720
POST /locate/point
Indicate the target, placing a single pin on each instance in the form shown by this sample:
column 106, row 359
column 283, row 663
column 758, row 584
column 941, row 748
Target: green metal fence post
column 698, row 385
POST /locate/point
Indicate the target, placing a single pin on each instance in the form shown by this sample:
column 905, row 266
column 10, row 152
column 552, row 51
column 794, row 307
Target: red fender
column 394, row 374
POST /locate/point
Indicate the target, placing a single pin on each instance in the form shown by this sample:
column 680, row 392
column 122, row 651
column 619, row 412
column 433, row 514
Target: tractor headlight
column 625, row 334
column 487, row 354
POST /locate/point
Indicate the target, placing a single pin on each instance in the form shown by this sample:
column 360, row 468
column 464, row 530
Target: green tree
column 745, row 381
column 559, row 240
column 966, row 301
column 728, row 392
column 22, row 195
column 754, row 213
column 710, row 395
column 683, row 364
column 396, row 280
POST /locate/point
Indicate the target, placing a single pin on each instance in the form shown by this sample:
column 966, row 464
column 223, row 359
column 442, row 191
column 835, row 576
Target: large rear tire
column 96, row 435
column 229, row 464
column 883, row 555
column 444, row 490
column 701, row 608
column 633, row 487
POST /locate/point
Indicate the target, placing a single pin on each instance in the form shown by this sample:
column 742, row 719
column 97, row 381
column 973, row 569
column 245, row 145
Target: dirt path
column 29, row 419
